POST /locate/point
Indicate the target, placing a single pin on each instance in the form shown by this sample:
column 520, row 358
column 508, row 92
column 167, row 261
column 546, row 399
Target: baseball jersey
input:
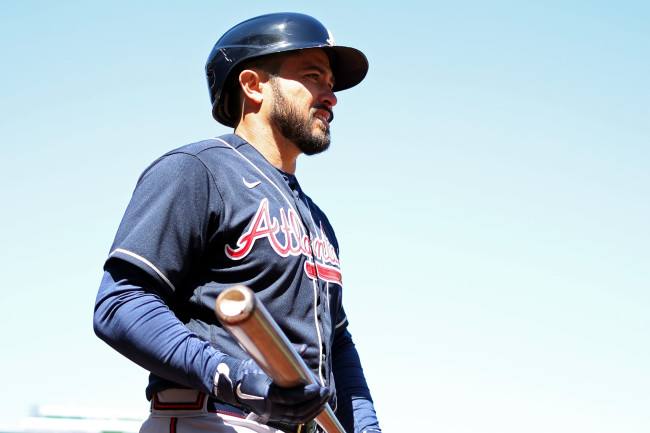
column 202, row 218
column 215, row 213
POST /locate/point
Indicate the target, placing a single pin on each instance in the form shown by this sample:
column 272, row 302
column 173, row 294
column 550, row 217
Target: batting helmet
column 274, row 33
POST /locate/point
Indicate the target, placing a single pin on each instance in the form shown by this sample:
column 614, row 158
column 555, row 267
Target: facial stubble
column 298, row 128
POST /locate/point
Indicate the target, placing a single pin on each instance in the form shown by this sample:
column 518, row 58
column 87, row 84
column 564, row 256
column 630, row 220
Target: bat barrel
column 256, row 331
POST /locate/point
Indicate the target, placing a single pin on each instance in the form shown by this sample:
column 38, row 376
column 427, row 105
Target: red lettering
column 261, row 227
column 296, row 242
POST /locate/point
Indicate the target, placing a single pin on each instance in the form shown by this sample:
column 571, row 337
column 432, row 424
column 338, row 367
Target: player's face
column 303, row 101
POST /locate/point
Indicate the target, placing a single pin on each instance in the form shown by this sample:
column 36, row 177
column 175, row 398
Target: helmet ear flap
column 228, row 110
column 229, row 101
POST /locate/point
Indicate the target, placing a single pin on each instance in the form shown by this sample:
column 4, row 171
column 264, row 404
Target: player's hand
column 290, row 405
column 253, row 389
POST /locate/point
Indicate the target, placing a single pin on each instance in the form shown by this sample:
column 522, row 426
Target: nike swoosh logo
column 251, row 185
column 243, row 396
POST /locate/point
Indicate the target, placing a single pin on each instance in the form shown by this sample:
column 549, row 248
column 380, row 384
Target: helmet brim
column 349, row 66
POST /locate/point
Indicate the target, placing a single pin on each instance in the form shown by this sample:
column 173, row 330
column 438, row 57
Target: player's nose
column 328, row 97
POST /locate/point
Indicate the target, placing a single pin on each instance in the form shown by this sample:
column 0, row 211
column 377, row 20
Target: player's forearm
column 139, row 325
column 356, row 408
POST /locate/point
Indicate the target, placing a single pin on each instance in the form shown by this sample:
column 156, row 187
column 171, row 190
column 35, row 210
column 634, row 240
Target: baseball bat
column 244, row 316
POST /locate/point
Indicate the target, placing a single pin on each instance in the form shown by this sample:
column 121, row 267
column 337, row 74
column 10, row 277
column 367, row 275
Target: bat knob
column 235, row 304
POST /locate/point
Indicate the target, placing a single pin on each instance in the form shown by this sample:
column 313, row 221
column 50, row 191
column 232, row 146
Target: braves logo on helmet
column 330, row 38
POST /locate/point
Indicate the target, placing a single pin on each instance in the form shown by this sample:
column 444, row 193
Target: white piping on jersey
column 327, row 285
column 314, row 282
column 146, row 262
column 320, row 338
column 341, row 323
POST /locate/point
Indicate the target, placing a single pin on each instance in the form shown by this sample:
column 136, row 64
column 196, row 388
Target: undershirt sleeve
column 355, row 409
column 134, row 320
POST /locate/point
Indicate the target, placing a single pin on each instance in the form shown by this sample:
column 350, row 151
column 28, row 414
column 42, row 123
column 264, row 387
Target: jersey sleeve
column 169, row 219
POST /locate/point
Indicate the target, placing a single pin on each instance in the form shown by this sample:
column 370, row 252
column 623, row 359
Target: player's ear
column 250, row 82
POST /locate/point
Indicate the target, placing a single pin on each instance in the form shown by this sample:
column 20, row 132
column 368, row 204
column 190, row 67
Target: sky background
column 489, row 184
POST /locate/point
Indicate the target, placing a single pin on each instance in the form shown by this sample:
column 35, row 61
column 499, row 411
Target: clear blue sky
column 489, row 183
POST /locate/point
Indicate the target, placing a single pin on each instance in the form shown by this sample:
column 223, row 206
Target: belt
column 198, row 401
column 217, row 406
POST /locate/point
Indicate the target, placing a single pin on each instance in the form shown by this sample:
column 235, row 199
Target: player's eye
column 316, row 77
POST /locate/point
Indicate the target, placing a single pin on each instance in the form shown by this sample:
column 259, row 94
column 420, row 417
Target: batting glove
column 244, row 384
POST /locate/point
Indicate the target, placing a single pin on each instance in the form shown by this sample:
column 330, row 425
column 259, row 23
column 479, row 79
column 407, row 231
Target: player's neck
column 276, row 149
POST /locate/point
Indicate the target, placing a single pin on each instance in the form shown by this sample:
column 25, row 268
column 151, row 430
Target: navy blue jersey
column 202, row 218
column 216, row 213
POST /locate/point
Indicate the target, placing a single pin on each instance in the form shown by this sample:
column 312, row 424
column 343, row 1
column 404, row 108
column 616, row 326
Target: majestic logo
column 322, row 260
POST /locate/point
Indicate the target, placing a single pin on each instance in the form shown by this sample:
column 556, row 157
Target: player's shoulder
column 192, row 159
column 216, row 144
column 208, row 154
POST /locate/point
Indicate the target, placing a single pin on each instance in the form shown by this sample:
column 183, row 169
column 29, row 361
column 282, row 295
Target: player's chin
column 317, row 144
column 321, row 137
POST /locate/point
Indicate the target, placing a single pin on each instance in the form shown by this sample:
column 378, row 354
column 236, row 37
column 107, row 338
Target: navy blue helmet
column 269, row 34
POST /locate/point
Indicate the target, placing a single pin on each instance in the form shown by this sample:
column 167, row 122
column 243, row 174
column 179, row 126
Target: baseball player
column 229, row 210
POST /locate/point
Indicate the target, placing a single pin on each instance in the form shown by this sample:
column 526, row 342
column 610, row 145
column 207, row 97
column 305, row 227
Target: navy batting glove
column 244, row 384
